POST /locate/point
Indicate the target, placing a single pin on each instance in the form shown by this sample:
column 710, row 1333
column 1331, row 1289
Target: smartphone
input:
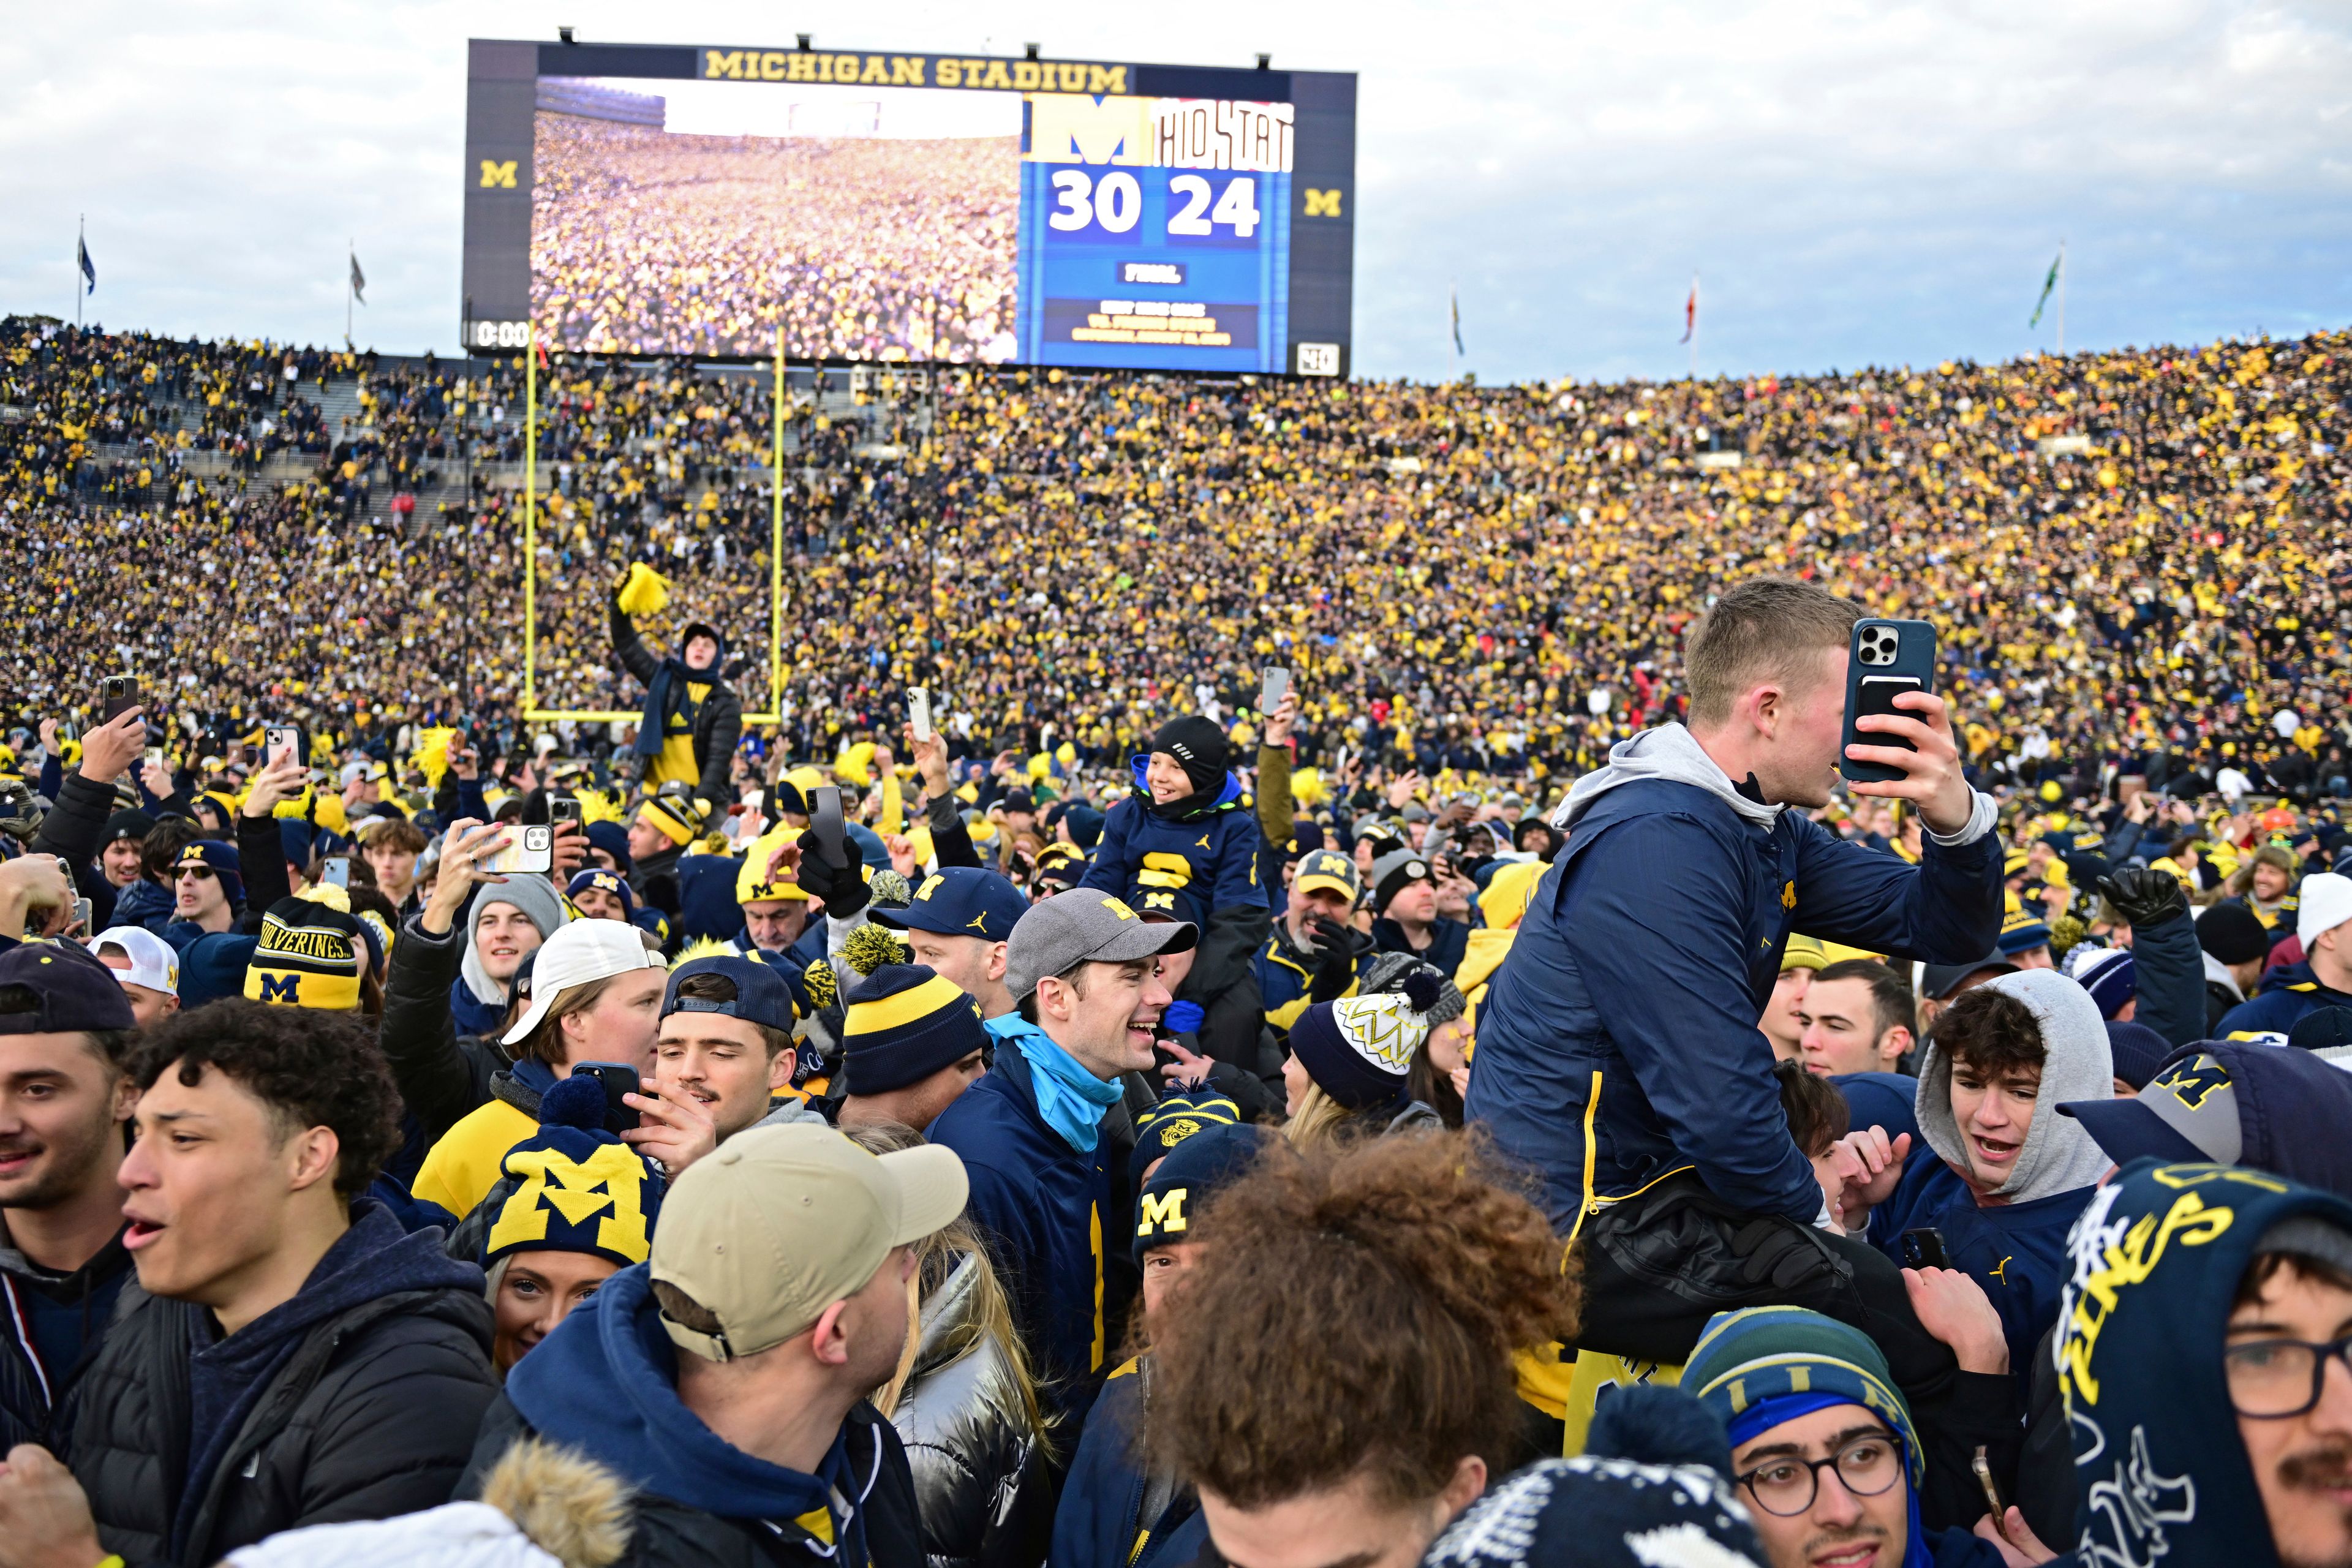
column 1886, row 659
column 918, row 713
column 531, row 851
column 336, row 871
column 564, row 808
column 1991, row 1492
column 618, row 1079
column 249, row 756
column 1274, row 685
column 825, row 827
column 1923, row 1249
column 281, row 742
column 80, row 915
column 117, row 695
column 154, row 756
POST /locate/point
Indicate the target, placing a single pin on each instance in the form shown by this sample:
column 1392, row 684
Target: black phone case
column 1914, row 652
column 618, row 1079
column 825, row 827
column 1923, row 1249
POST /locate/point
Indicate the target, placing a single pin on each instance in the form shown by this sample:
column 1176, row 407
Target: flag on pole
column 2047, row 285
column 89, row 269
column 1690, row 313
column 1453, row 295
column 359, row 280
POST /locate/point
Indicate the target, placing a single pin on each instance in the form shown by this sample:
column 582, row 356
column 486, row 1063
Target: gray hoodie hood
column 1665, row 752
column 2059, row 1155
column 540, row 903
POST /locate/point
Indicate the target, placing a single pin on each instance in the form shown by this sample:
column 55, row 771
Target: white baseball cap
column 2323, row 901
column 153, row 964
column 576, row 955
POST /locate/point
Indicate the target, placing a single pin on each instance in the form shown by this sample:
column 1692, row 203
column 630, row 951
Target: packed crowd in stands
column 646, row 241
column 1305, row 974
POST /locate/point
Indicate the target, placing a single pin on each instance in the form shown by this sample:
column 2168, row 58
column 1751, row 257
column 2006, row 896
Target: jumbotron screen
column 674, row 199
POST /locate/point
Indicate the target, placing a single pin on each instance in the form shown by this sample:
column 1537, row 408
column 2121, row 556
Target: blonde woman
column 1352, row 1062
column 965, row 1402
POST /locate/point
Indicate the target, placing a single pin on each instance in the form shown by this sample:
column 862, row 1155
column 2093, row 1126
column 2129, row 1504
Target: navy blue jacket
column 2287, row 993
column 1098, row 1521
column 1043, row 1209
column 1207, row 858
column 1619, row 1044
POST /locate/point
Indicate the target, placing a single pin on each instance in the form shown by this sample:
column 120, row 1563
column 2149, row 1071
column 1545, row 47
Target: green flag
column 2047, row 284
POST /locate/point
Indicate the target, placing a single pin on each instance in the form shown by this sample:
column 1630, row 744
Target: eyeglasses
column 2272, row 1379
column 1787, row 1486
column 201, row 873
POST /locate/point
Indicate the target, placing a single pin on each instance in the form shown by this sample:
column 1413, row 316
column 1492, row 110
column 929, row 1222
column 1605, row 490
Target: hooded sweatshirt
column 2287, row 993
column 2154, row 1262
column 478, row 1004
column 2013, row 1239
column 606, row 1383
column 1618, row 1043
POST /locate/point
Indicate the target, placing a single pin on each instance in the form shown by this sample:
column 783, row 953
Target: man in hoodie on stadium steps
column 1643, row 963
column 725, row 1380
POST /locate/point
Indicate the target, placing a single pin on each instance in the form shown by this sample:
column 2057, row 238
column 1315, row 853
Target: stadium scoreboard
column 923, row 209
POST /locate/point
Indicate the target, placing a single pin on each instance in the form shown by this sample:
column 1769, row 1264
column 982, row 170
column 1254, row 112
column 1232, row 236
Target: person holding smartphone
column 1619, row 1051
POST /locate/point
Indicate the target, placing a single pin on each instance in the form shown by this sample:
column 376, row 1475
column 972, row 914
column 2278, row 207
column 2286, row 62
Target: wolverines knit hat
column 571, row 1187
column 1387, row 972
column 751, row 884
column 1177, row 1117
column 2022, row 930
column 1199, row 747
column 310, row 955
column 220, row 858
column 1172, row 1197
column 1359, row 1049
column 903, row 1023
column 1764, row 1366
column 1393, row 872
column 679, row 817
column 602, row 881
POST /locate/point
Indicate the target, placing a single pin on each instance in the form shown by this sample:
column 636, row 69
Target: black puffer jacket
column 367, row 1408
column 718, row 722
column 981, row 1482
column 443, row 1076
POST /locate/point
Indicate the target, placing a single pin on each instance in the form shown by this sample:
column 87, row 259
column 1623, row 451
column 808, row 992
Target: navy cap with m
column 2234, row 1102
column 961, row 901
column 69, row 992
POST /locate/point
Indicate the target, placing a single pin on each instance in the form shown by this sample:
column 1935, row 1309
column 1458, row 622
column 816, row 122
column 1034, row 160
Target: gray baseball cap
column 1085, row 925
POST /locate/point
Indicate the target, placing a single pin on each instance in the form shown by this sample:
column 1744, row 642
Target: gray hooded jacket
column 2059, row 1155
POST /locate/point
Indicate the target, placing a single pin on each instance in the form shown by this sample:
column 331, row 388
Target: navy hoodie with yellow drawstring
column 2288, row 992
column 2161, row 1475
column 605, row 1383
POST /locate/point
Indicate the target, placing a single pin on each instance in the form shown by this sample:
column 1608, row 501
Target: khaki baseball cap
column 779, row 1223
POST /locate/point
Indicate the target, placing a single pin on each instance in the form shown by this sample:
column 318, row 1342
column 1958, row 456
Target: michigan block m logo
column 498, row 175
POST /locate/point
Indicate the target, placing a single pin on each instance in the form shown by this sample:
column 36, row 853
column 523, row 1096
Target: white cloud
column 1881, row 182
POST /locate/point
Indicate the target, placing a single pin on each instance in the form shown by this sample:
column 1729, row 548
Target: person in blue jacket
column 1187, row 830
column 1619, row 1042
column 1117, row 1506
column 2324, row 978
column 1084, row 967
column 2003, row 1177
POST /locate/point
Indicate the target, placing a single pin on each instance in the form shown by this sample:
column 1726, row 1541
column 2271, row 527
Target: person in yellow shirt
column 692, row 720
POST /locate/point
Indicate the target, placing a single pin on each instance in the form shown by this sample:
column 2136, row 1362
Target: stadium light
column 1032, row 48
column 1265, row 62
column 563, row 33
column 804, row 41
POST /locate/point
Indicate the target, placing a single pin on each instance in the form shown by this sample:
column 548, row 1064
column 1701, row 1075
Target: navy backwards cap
column 760, row 994
column 73, row 991
column 2235, row 1103
column 572, row 1186
column 2156, row 1260
column 1599, row 1512
column 1170, row 1200
column 903, row 1023
column 961, row 901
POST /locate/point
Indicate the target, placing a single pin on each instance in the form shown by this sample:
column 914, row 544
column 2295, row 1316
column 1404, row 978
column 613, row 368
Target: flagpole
column 81, row 249
column 2061, row 298
column 350, row 255
column 1693, row 330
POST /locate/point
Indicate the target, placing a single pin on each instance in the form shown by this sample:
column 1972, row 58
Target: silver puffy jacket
column 980, row 1477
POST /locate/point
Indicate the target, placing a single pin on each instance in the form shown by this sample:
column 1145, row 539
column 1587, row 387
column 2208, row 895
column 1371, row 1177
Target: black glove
column 842, row 889
column 1335, row 963
column 2142, row 897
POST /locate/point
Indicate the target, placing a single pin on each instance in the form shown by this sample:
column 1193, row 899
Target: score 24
column 1112, row 204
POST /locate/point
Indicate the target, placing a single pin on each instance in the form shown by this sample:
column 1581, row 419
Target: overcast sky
column 1853, row 182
